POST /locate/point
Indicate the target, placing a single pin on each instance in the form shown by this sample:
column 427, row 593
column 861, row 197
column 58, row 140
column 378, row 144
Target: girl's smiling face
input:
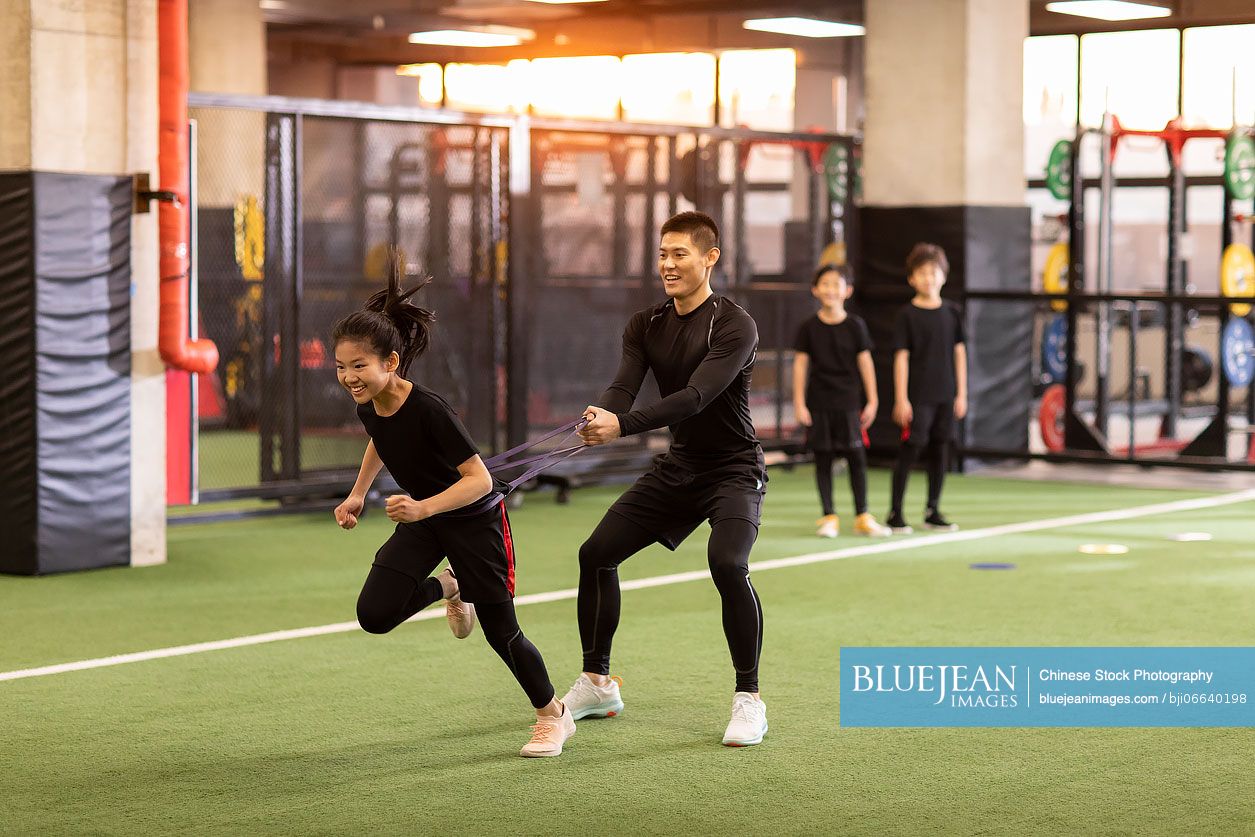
column 362, row 371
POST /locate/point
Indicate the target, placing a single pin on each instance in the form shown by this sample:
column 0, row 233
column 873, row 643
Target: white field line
column 878, row 548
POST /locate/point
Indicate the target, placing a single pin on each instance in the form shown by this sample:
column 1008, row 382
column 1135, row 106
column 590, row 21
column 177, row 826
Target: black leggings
column 939, row 455
column 390, row 597
column 857, row 458
column 616, row 539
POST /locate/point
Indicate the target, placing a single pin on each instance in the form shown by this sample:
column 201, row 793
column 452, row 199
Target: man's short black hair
column 697, row 225
column 840, row 269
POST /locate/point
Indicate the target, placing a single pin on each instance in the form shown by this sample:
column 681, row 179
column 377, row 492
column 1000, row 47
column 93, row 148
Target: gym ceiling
column 375, row 31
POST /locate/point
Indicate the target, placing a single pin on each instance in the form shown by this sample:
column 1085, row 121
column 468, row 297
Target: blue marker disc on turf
column 992, row 566
column 1054, row 345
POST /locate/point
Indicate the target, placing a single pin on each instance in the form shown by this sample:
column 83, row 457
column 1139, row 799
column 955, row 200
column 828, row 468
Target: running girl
column 450, row 509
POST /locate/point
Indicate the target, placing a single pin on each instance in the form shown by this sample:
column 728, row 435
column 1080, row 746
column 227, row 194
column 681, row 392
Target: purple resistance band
column 502, row 458
column 539, row 462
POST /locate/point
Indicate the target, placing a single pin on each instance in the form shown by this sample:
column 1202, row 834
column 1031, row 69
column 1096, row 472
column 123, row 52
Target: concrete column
column 148, row 388
column 78, row 93
column 227, row 54
column 943, row 163
column 944, row 86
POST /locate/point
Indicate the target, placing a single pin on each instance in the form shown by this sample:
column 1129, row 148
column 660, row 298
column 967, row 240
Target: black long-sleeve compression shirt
column 702, row 361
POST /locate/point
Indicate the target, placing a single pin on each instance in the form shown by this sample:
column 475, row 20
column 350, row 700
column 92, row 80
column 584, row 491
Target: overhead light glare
column 1108, row 9
column 487, row 36
column 564, row 2
column 804, row 27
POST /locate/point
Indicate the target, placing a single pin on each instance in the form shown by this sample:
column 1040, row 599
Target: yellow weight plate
column 1237, row 276
column 1054, row 279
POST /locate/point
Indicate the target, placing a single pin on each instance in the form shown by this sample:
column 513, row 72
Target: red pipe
column 177, row 350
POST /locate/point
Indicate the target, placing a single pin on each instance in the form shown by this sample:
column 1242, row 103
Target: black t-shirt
column 422, row 444
column 702, row 362
column 834, row 382
column 930, row 335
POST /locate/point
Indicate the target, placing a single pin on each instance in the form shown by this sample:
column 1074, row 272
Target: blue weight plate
column 1237, row 349
column 1054, row 359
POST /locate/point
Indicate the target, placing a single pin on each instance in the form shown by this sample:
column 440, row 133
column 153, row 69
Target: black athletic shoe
column 897, row 523
column 933, row 519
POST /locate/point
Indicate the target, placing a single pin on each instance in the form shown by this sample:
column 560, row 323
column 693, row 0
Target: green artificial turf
column 231, row 458
column 416, row 732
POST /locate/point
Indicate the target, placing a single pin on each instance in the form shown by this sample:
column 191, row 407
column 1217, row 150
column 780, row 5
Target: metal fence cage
column 540, row 237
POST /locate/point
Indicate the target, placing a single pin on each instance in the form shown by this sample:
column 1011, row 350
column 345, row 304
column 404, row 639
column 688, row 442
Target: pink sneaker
column 461, row 615
column 548, row 736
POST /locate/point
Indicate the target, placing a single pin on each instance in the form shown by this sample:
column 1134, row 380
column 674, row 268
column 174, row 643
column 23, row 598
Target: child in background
column 929, row 382
column 834, row 396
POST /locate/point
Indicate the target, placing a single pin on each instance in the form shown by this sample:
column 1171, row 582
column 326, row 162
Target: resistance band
column 539, row 462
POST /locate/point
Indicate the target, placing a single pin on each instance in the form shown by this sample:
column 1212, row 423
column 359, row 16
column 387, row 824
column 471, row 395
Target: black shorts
column 479, row 547
column 930, row 423
column 672, row 498
column 834, row 430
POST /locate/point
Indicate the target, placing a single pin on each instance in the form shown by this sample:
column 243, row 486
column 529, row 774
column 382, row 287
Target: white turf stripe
column 888, row 545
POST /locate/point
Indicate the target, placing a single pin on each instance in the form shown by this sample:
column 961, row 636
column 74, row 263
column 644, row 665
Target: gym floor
column 416, row 732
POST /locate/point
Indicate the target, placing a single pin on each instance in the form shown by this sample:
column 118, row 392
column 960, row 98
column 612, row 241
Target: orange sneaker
column 867, row 526
column 829, row 526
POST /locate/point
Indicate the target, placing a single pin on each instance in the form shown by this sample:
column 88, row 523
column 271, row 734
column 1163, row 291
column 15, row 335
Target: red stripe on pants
column 509, row 548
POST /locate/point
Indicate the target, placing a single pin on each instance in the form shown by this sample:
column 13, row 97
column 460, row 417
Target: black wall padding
column 66, row 295
column 988, row 249
column 17, row 382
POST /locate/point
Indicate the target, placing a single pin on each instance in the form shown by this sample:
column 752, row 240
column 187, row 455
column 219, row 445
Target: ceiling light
column 481, row 36
column 805, row 27
column 1108, row 9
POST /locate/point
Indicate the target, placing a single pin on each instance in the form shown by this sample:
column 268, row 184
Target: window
column 575, row 88
column 756, row 88
column 492, row 88
column 1135, row 75
column 1049, row 97
column 1215, row 58
column 675, row 88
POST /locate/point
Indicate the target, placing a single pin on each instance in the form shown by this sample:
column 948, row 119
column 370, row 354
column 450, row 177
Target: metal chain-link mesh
column 339, row 191
column 362, row 187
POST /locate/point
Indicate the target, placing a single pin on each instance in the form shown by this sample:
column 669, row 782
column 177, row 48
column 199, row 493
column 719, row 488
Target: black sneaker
column 897, row 523
column 933, row 519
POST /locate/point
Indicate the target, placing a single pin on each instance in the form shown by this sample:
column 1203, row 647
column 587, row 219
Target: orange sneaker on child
column 867, row 526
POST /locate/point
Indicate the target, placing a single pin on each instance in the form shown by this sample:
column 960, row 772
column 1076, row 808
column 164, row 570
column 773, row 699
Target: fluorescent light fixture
column 479, row 36
column 1108, row 9
column 805, row 27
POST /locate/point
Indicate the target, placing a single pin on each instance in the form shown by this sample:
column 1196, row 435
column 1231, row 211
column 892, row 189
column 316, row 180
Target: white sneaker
column 749, row 721
column 585, row 699
column 548, row 736
column 829, row 526
column 461, row 615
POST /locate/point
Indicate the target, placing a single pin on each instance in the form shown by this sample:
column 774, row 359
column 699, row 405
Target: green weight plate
column 1059, row 170
column 836, row 171
column 1239, row 167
